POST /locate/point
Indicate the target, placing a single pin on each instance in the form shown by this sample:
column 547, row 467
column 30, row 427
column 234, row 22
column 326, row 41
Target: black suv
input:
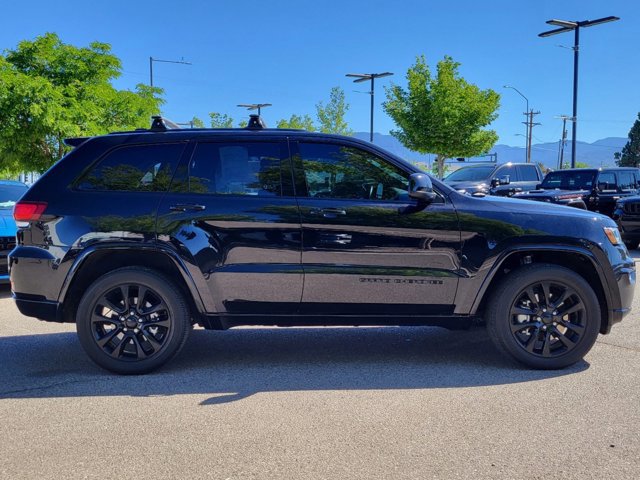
column 137, row 236
column 587, row 188
column 627, row 216
column 504, row 179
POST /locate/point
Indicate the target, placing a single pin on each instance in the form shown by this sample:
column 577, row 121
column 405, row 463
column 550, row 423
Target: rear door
column 528, row 177
column 232, row 216
column 608, row 194
column 368, row 249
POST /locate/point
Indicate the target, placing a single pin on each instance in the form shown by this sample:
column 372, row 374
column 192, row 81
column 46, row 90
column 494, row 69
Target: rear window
column 573, row 180
column 233, row 168
column 10, row 194
column 141, row 168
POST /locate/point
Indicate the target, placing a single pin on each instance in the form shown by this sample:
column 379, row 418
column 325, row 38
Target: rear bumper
column 40, row 309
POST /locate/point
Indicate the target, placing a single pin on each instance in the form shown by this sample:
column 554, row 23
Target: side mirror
column 421, row 188
column 538, row 186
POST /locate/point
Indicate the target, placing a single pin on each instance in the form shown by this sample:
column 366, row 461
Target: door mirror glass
column 421, row 188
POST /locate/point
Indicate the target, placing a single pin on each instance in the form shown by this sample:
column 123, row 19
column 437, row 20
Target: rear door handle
column 186, row 207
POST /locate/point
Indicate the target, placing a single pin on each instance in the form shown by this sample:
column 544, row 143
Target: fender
column 590, row 252
column 190, row 276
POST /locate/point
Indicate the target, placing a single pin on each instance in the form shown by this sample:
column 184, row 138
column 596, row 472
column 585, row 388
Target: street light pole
column 151, row 60
column 254, row 106
column 363, row 77
column 526, row 124
column 567, row 26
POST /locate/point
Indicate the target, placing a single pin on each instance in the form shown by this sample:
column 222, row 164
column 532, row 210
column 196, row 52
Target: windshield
column 469, row 174
column 10, row 194
column 574, row 180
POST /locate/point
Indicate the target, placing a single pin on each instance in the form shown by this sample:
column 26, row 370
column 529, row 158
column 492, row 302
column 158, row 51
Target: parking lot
column 317, row 403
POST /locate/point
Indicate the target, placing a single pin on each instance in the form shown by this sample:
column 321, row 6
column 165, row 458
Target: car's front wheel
column 543, row 315
column 132, row 320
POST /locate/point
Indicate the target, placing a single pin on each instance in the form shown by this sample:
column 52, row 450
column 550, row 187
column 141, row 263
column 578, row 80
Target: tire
column 632, row 244
column 521, row 322
column 122, row 336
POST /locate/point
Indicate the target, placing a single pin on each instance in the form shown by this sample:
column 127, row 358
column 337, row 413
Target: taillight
column 28, row 211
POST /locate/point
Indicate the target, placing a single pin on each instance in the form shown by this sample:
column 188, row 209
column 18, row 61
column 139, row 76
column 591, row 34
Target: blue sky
column 291, row 53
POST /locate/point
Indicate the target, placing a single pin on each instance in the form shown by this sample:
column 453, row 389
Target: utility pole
column 563, row 140
column 530, row 124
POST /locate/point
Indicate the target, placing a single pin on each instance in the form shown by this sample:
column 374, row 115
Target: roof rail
column 160, row 124
column 255, row 122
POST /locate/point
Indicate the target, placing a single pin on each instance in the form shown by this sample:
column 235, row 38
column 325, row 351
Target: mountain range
column 596, row 154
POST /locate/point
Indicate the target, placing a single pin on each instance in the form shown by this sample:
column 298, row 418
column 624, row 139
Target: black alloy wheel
column 545, row 316
column 132, row 320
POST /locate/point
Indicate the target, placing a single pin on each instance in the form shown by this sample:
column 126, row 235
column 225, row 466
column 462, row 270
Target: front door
column 368, row 249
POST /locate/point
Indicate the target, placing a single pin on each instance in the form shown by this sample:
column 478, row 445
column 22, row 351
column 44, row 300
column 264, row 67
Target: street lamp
column 363, row 77
column 526, row 126
column 567, row 26
column 254, row 106
column 151, row 60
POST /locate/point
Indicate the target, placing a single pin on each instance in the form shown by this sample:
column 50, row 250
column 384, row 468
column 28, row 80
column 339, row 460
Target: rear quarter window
column 138, row 168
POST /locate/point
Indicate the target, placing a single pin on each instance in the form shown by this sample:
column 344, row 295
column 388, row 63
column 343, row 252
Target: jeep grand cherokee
column 137, row 236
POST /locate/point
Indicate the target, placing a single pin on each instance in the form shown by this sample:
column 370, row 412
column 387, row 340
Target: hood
column 527, row 207
column 7, row 225
column 552, row 193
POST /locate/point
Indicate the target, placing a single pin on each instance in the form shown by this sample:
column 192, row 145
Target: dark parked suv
column 627, row 216
column 137, row 236
column 495, row 179
column 587, row 188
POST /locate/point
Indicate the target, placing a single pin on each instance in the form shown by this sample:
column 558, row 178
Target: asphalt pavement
column 317, row 403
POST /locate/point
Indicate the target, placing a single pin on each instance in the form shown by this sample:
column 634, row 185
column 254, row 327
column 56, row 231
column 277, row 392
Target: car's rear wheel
column 545, row 316
column 132, row 320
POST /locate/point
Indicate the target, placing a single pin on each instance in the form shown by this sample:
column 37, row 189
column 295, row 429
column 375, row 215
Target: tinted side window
column 144, row 168
column 626, row 181
column 507, row 170
column 606, row 181
column 334, row 171
column 527, row 173
column 238, row 168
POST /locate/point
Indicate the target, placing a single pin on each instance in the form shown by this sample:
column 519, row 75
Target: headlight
column 613, row 234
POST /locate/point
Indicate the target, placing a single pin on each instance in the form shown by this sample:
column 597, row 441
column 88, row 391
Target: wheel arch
column 580, row 261
column 97, row 261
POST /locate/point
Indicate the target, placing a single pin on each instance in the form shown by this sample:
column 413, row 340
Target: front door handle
column 187, row 207
column 328, row 212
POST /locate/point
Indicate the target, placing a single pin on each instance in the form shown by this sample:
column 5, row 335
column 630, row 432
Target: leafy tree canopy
column 630, row 155
column 444, row 114
column 304, row 122
column 331, row 116
column 50, row 91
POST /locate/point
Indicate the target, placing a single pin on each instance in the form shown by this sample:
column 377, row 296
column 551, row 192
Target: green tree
column 444, row 115
column 304, row 122
column 220, row 120
column 50, row 91
column 197, row 122
column 630, row 155
column 331, row 116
